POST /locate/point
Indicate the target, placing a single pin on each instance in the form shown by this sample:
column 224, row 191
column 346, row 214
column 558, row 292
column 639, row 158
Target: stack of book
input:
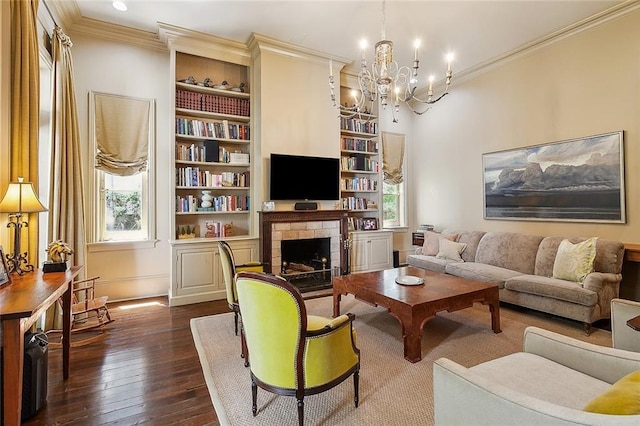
column 425, row 227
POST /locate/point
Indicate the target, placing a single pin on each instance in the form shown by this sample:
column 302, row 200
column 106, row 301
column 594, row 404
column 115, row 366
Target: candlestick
column 330, row 67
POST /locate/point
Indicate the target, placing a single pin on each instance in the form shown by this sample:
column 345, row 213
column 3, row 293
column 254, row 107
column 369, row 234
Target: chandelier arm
column 415, row 111
column 428, row 102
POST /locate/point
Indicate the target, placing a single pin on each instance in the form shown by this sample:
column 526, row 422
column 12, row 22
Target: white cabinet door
column 371, row 251
column 197, row 273
column 359, row 253
column 381, row 251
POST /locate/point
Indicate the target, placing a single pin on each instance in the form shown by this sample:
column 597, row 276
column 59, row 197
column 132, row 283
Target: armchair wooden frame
column 87, row 313
column 304, row 336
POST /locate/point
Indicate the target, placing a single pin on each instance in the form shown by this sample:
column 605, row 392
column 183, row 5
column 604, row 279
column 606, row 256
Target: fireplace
column 307, row 263
column 328, row 231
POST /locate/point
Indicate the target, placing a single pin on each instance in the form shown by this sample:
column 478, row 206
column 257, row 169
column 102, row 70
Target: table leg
column 494, row 307
column 412, row 343
column 13, row 363
column 66, row 329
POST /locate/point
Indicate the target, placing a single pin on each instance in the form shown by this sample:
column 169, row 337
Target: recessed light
column 119, row 5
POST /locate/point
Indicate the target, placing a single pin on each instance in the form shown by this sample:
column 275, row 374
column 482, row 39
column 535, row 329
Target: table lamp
column 20, row 198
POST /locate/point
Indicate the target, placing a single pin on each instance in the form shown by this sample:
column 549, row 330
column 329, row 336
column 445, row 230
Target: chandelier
column 388, row 82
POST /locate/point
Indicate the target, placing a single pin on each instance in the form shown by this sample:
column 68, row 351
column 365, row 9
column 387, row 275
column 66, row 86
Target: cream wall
column 583, row 85
column 128, row 270
column 296, row 115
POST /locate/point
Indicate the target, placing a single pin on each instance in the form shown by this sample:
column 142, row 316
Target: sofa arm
column 604, row 363
column 606, row 286
column 624, row 337
column 462, row 397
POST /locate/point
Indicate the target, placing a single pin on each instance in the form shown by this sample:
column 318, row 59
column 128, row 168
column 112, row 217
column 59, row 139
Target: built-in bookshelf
column 360, row 167
column 212, row 149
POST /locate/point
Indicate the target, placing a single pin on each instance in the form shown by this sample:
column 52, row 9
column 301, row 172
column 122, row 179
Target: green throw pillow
column 574, row 261
column 623, row 397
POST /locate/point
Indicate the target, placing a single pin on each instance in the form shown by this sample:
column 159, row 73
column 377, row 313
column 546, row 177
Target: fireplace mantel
column 268, row 219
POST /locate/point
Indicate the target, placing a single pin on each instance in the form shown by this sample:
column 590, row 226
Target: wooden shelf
column 211, row 90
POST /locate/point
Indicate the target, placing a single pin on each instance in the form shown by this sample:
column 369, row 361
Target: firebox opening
column 306, row 263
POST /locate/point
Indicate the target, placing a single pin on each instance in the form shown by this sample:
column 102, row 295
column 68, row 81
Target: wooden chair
column 229, row 270
column 88, row 313
column 293, row 353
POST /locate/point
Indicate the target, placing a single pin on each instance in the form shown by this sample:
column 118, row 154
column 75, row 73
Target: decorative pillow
column 623, row 397
column 450, row 250
column 431, row 246
column 574, row 261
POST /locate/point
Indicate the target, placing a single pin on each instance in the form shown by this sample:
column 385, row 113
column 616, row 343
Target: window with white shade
column 123, row 164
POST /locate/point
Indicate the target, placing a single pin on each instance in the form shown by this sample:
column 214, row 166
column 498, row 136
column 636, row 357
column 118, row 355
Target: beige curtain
column 66, row 204
column 392, row 157
column 122, row 134
column 25, row 107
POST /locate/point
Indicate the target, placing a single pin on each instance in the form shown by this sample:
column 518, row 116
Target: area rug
column 393, row 391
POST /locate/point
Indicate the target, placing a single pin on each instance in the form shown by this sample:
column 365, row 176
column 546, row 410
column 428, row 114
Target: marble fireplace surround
column 276, row 226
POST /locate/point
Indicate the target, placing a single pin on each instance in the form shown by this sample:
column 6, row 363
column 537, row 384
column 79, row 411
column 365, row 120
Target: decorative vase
column 206, row 199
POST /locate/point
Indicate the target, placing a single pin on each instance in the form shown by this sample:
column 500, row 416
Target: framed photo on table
column 370, row 224
column 5, row 278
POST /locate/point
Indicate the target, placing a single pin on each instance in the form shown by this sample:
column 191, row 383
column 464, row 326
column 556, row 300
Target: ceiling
column 475, row 31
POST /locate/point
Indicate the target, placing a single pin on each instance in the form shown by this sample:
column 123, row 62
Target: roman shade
column 122, row 134
column 392, row 158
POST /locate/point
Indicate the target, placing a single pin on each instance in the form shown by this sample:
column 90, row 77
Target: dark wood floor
column 146, row 371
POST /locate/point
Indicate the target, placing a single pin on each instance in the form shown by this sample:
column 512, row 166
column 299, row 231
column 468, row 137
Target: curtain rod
column 50, row 14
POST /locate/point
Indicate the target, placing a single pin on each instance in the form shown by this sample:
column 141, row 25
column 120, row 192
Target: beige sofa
column 549, row 383
column 522, row 266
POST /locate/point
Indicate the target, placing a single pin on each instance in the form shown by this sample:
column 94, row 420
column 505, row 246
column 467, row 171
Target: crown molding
column 203, row 44
column 586, row 24
column 260, row 43
column 127, row 35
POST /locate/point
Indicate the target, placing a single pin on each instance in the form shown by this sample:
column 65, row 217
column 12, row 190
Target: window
column 393, row 186
column 123, row 207
column 123, row 164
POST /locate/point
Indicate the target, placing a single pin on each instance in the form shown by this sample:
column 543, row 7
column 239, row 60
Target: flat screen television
column 298, row 177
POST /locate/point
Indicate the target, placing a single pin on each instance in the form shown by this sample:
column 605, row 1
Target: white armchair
column 549, row 383
column 624, row 337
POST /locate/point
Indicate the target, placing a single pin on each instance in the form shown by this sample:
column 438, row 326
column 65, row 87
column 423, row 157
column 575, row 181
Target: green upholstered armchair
column 293, row 353
column 229, row 269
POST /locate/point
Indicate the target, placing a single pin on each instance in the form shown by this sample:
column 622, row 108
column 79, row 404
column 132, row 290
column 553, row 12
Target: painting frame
column 574, row 180
column 5, row 276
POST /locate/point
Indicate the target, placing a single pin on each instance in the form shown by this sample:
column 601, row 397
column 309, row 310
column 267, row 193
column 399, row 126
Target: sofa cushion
column 431, row 245
column 574, row 261
column 471, row 239
column 622, row 398
column 509, row 250
column 552, row 288
column 430, row 263
column 543, row 379
column 450, row 250
column 481, row 272
column 609, row 255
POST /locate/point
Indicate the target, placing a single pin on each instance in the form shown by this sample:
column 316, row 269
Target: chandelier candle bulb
column 330, row 67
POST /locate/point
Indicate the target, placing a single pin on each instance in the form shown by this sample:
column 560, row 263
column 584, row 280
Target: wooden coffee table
column 413, row 306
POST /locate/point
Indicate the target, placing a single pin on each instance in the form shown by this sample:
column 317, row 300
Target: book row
column 354, row 203
column 359, row 162
column 209, row 152
column 213, row 229
column 194, row 177
column 354, row 144
column 222, row 203
column 362, row 223
column 212, row 129
column 212, row 103
column 360, row 126
column 358, row 184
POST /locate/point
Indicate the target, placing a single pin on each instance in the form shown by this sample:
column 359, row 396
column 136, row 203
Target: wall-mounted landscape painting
column 578, row 180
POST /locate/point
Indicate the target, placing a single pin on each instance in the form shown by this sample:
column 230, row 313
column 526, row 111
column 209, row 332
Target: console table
column 21, row 304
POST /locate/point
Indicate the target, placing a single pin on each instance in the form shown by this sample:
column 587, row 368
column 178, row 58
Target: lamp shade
column 21, row 198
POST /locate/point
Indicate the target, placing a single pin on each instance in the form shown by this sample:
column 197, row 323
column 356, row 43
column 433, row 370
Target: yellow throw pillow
column 574, row 261
column 623, row 397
